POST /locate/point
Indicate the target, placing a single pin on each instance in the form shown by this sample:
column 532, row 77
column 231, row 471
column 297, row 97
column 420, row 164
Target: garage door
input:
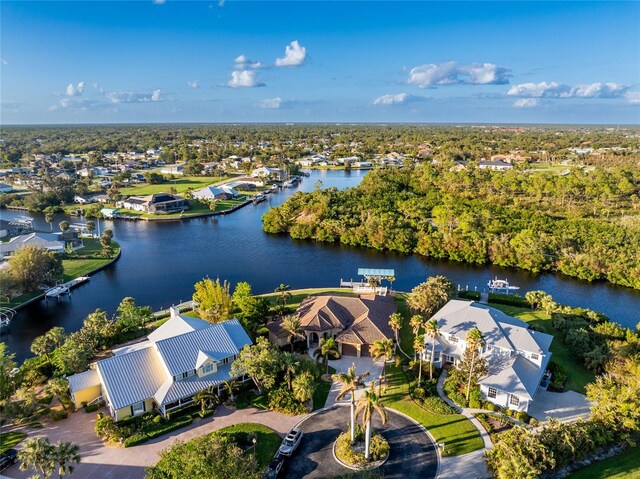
column 349, row 349
column 364, row 350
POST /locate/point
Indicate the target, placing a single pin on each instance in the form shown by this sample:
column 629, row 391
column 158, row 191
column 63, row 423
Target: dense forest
column 584, row 224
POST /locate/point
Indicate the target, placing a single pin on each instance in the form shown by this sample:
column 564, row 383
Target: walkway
column 473, row 464
column 100, row 461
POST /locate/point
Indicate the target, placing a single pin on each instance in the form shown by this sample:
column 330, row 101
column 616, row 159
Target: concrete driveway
column 100, row 461
column 567, row 406
column 413, row 454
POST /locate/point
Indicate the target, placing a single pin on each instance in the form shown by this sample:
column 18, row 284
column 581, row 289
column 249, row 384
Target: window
column 137, row 408
column 436, row 356
column 207, row 368
column 515, row 400
column 492, row 393
column 453, row 339
column 535, row 357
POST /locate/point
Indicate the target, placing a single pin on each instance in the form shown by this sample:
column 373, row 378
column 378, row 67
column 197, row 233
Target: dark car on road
column 8, row 457
column 276, row 467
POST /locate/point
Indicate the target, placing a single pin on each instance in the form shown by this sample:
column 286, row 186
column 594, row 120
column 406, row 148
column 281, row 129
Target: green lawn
column 406, row 335
column 195, row 208
column 297, row 295
column 578, row 375
column 180, row 184
column 10, row 439
column 322, row 392
column 457, row 433
column 624, row 466
column 267, row 440
column 18, row 300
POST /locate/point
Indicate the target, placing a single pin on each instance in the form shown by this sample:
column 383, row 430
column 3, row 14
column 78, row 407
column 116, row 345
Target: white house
column 49, row 241
column 517, row 357
column 497, row 165
column 270, row 173
column 223, row 192
column 172, row 170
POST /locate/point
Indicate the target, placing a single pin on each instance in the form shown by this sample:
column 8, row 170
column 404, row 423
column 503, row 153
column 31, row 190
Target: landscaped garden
column 624, row 466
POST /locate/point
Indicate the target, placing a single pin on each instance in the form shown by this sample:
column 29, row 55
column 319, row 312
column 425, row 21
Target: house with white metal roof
column 517, row 357
column 182, row 357
column 223, row 192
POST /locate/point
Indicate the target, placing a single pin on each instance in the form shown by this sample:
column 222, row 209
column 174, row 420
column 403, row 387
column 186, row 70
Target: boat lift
column 6, row 315
column 372, row 281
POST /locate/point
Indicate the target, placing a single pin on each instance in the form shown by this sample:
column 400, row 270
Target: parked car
column 7, row 458
column 274, row 471
column 291, row 442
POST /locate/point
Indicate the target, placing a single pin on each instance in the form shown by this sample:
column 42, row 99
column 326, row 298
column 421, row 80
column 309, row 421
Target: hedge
column 474, row 295
column 158, row 429
column 509, row 300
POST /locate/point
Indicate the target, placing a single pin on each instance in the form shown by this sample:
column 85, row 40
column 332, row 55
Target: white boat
column 501, row 285
column 259, row 198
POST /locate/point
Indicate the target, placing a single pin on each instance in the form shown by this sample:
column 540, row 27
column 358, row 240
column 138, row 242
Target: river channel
column 161, row 262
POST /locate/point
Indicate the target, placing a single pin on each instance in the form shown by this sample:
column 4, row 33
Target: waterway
column 161, row 262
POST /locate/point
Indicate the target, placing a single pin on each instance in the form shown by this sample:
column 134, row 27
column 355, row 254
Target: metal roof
column 518, row 376
column 180, row 353
column 84, row 380
column 132, row 377
column 172, row 391
column 176, row 326
column 375, row 272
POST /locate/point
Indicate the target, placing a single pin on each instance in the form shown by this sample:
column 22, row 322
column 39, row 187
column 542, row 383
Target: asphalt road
column 413, row 454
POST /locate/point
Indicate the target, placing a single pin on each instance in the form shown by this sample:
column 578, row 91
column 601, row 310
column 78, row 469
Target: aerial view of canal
column 161, row 262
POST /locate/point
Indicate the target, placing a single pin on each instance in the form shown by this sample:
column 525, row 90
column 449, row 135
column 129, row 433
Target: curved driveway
column 413, row 454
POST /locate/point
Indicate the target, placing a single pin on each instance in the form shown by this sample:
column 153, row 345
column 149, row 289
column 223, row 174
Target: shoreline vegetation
column 583, row 224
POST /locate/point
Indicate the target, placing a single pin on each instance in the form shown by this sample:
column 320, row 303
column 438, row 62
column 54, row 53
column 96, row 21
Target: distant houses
column 497, row 165
column 269, row 173
column 4, row 188
column 158, row 203
column 172, row 170
column 50, row 241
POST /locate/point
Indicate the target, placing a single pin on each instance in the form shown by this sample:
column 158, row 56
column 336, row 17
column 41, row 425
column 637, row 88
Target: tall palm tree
column 369, row 404
column 304, row 386
column 59, row 387
column 230, row 387
column 49, row 217
column 327, row 348
column 290, row 365
column 350, row 381
column 395, row 323
column 65, row 455
column 382, row 348
column 418, row 346
column 283, row 289
column 432, row 331
column 37, row 454
column 416, row 323
column 475, row 341
column 207, row 398
column 291, row 324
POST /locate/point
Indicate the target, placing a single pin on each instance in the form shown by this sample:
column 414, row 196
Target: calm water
column 161, row 262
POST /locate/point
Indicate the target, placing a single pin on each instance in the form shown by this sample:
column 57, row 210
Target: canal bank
column 163, row 260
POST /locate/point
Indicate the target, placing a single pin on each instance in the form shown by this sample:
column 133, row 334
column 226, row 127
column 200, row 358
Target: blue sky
column 236, row 61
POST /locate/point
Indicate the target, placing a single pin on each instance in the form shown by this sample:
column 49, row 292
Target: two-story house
column 182, row 357
column 517, row 357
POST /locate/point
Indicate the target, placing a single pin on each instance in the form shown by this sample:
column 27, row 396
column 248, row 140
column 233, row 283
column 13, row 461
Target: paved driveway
column 567, row 406
column 363, row 365
column 102, row 462
column 413, row 454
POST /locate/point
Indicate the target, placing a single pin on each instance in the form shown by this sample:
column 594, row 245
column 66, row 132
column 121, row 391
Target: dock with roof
column 371, row 282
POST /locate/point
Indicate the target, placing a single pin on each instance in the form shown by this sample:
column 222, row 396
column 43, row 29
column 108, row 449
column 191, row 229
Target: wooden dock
column 61, row 290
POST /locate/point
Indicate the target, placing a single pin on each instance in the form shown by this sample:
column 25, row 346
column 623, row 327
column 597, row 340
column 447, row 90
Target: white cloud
column 561, row 90
column 633, row 97
column 398, row 99
column 158, row 2
column 271, row 103
column 74, row 90
column 526, row 103
column 451, row 73
column 130, row 97
column 294, row 55
column 243, row 62
column 74, row 104
column 193, row 84
column 244, row 78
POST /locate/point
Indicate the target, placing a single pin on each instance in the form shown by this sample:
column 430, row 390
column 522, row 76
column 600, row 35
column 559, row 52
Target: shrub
column 510, row 300
column 534, row 422
column 157, row 419
column 458, row 398
column 437, row 405
column 135, row 439
column 379, row 447
column 91, row 408
column 474, row 295
column 489, row 406
column 345, row 452
column 282, row 400
column 59, row 415
column 419, row 394
column 522, row 416
column 474, row 398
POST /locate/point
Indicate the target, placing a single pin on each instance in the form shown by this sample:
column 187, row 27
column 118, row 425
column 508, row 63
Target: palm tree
column 291, row 324
column 91, row 226
column 350, row 382
column 304, row 386
column 64, row 225
column 391, row 279
column 382, row 348
column 49, row 217
column 328, row 347
column 432, row 331
column 59, row 387
column 37, row 454
column 290, row 365
column 418, row 346
column 230, row 387
column 369, row 404
column 65, row 455
column 207, row 398
column 475, row 341
column 395, row 323
column 416, row 323
column 283, row 289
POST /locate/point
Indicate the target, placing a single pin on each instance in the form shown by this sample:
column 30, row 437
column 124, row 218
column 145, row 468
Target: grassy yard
column 457, row 432
column 10, row 439
column 297, row 295
column 267, row 440
column 180, row 184
column 624, row 466
column 578, row 375
column 322, row 392
column 406, row 335
column 195, row 208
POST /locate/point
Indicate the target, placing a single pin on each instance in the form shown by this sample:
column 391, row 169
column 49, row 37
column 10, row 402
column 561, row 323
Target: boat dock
column 61, row 290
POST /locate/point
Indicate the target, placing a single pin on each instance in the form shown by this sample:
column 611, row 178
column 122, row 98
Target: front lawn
column 267, row 440
column 624, row 466
column 578, row 375
column 181, row 185
column 10, row 439
column 87, row 259
column 322, row 391
column 454, row 430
